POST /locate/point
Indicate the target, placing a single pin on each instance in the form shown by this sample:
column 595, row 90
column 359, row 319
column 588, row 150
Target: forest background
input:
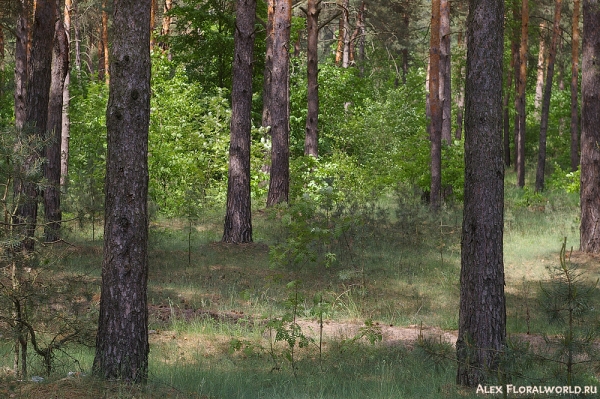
column 372, row 177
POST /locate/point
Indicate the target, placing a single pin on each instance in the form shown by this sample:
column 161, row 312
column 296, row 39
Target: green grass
column 401, row 270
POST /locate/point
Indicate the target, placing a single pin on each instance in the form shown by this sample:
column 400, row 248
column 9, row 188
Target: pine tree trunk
column 312, row 71
column 21, row 62
column 541, row 69
column 166, row 23
column 435, row 124
column 60, row 66
column 482, row 313
column 541, row 165
column 238, row 221
column 122, row 338
column 38, row 89
column 66, row 123
column 575, row 87
column 590, row 134
column 520, row 97
column 268, row 74
column 445, row 72
column 104, row 42
column 279, row 184
column 514, row 52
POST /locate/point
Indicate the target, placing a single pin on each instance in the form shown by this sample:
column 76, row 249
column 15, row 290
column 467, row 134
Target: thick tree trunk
column 279, row 184
column 520, row 97
column 575, row 87
column 590, row 134
column 122, row 338
column 60, row 66
column 238, row 221
column 541, row 69
column 482, row 313
column 38, row 89
column 541, row 165
column 445, row 72
column 435, row 124
column 312, row 72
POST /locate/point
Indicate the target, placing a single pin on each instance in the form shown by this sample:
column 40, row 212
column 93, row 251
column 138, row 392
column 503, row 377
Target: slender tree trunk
column 541, row 69
column 520, row 97
column 268, row 74
column 77, row 34
column 238, row 221
column 105, row 41
column 541, row 165
column 66, row 122
column 312, row 72
column 460, row 96
column 122, row 338
column 482, row 313
column 51, row 195
column 343, row 47
column 435, row 124
column 514, row 52
column 445, row 72
column 21, row 63
column 166, row 23
column 153, row 7
column 38, row 89
column 575, row 87
column 2, row 62
column 279, row 184
column 590, row 134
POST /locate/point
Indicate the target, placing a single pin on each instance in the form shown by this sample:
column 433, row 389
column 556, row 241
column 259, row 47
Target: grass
column 209, row 308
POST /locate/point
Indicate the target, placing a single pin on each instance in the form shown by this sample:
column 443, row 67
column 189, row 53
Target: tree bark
column 435, row 124
column 166, row 23
column 268, row 74
column 541, row 69
column 541, row 165
column 312, row 72
column 445, row 72
column 279, row 184
column 590, row 134
column 575, row 87
column 66, row 122
column 520, row 97
column 153, row 7
column 104, row 41
column 51, row 194
column 238, row 220
column 21, row 63
column 122, row 338
column 38, row 89
column 482, row 313
column 514, row 57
